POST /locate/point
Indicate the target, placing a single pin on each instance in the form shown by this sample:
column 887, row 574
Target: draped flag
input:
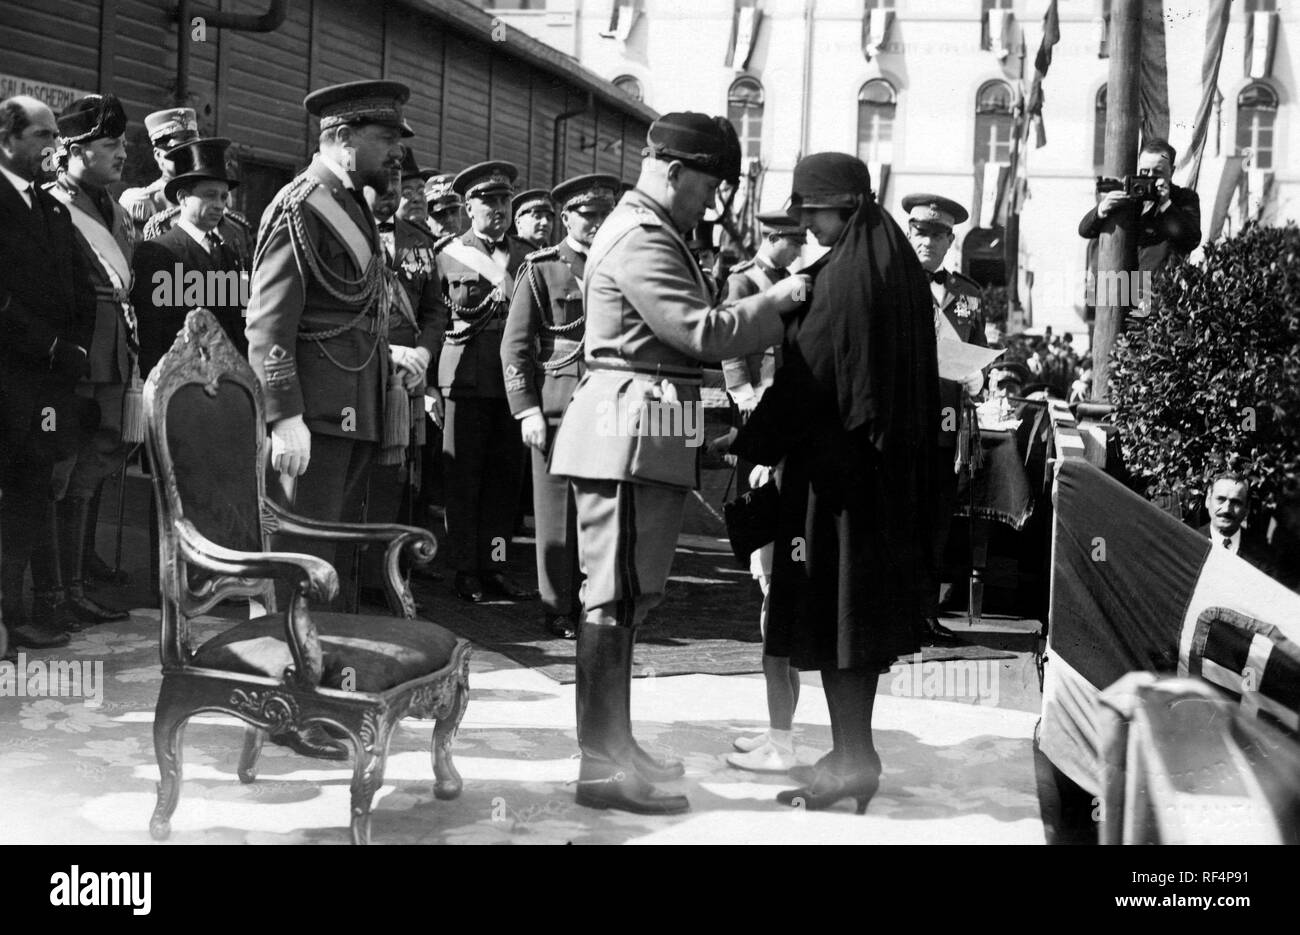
column 1133, row 589
column 1042, row 61
column 1177, row 99
column 876, row 21
column 745, row 21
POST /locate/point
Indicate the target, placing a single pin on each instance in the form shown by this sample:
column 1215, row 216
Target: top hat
column 198, row 160
column 410, row 168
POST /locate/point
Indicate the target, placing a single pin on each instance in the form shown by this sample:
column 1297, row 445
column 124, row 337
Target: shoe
column 804, row 775
column 746, row 744
column 561, row 627
column 653, row 770
column 611, row 771
column 933, row 633
column 828, row 788
column 498, row 585
column 52, row 613
column 36, row 637
column 468, row 588
column 313, row 741
column 89, row 611
column 769, row 758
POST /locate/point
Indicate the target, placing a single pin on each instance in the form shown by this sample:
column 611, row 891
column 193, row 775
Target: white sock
column 781, row 738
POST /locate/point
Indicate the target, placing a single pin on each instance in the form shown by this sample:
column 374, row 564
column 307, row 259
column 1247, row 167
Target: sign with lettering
column 54, row 96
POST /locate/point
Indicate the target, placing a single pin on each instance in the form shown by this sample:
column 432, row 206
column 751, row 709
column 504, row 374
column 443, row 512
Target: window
column 1099, row 129
column 745, row 111
column 514, row 4
column 630, row 86
column 880, row 4
column 993, row 122
column 876, row 105
column 1256, row 112
column 1260, row 6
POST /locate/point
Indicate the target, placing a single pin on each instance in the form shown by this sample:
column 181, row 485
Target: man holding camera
column 1168, row 219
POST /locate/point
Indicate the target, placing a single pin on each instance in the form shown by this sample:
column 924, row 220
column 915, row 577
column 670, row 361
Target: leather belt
column 688, row 375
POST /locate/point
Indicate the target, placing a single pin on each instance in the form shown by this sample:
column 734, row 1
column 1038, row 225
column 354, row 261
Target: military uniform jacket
column 753, row 371
column 335, row 383
column 414, row 261
column 160, row 303
column 541, row 348
column 650, row 324
column 143, row 203
column 470, row 362
column 111, row 347
column 961, row 308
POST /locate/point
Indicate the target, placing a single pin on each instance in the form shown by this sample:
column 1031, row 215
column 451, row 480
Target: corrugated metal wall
column 471, row 100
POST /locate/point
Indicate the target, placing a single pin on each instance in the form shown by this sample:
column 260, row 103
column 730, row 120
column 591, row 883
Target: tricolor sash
column 109, row 255
column 482, row 264
column 342, row 225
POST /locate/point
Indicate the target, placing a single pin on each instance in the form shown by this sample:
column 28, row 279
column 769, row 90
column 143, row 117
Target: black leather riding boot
column 50, row 608
column 651, row 769
column 74, row 516
column 609, row 777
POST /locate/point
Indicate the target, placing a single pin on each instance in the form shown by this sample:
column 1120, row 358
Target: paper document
column 958, row 360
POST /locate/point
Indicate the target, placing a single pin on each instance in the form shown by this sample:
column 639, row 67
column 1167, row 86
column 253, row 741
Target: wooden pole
column 1117, row 250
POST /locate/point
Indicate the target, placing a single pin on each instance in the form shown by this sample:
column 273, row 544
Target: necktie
column 29, row 193
column 386, row 227
column 214, row 244
column 940, row 276
column 1227, row 542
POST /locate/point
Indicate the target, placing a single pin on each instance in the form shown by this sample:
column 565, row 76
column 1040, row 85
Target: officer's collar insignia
column 512, row 371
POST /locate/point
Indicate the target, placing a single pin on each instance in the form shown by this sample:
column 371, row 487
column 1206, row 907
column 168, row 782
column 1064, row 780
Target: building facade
column 925, row 91
column 480, row 89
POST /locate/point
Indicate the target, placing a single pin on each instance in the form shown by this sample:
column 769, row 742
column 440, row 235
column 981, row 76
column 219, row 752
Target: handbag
column 751, row 518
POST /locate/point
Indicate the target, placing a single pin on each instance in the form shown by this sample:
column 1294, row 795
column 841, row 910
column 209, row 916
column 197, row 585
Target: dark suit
column 1176, row 230
column 45, row 294
column 483, row 456
column 318, row 353
column 1253, row 548
column 960, row 307
column 154, row 296
column 541, row 357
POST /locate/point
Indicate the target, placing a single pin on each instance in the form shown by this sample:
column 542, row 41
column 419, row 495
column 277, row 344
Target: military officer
column 412, row 207
column 92, row 151
column 446, row 210
column 629, row 437
column 930, row 223
column 149, row 207
column 541, row 353
column 317, row 322
column 482, row 455
column 415, row 321
column 534, row 213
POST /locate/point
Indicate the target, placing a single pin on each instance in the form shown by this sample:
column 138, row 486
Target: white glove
column 290, row 446
column 433, row 404
column 533, row 429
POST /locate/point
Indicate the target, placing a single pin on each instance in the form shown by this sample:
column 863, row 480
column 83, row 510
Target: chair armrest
column 320, row 580
column 286, row 522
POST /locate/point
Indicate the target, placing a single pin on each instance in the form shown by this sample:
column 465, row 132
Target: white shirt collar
column 23, row 186
column 199, row 236
column 1235, row 539
column 575, row 246
column 338, row 170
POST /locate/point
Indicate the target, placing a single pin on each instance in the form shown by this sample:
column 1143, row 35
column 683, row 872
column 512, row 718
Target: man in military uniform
column 541, row 353
column 624, row 440
column 534, row 217
column 92, row 151
column 317, row 322
column 149, row 207
column 957, row 317
column 412, row 207
column 482, row 455
column 446, row 210
column 414, row 324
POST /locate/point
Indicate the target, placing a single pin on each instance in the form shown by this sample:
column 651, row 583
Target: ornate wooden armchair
column 293, row 672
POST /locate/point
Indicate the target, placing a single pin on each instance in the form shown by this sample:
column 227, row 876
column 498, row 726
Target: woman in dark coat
column 852, row 413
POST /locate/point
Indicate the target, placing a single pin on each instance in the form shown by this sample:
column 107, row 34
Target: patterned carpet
column 955, row 772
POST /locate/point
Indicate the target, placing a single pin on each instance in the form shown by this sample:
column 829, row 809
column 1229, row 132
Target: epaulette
column 240, row 220
column 446, row 239
column 543, row 254
column 138, row 204
column 160, row 223
column 742, row 266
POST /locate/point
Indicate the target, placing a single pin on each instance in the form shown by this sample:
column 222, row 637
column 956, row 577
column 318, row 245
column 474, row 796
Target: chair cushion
column 382, row 651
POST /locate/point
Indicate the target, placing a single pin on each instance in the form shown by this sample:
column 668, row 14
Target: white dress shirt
column 25, row 188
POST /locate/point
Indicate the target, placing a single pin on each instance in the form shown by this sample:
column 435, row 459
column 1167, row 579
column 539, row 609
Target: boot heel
column 862, row 804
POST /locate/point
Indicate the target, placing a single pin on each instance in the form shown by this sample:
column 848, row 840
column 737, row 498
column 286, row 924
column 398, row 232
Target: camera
column 1137, row 187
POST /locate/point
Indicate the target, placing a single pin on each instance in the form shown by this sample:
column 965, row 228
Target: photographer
column 1169, row 217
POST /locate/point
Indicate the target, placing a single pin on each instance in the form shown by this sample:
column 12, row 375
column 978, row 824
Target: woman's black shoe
column 827, row 788
column 469, row 588
column 561, row 627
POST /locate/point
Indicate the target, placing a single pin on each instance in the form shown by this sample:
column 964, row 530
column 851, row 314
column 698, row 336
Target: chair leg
column 253, row 739
column 168, row 739
column 447, row 782
column 367, row 772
